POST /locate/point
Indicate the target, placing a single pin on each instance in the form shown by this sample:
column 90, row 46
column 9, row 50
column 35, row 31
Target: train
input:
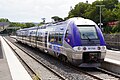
column 77, row 40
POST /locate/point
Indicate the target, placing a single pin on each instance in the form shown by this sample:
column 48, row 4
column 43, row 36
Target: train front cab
column 93, row 46
column 88, row 45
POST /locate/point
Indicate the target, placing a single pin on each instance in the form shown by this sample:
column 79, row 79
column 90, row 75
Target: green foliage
column 114, row 29
column 41, row 23
column 65, row 18
column 109, row 15
column 29, row 25
column 16, row 24
column 110, row 12
column 110, row 4
column 97, row 2
column 117, row 28
column 4, row 20
column 117, row 11
column 78, row 10
column 107, row 29
column 22, row 25
column 56, row 18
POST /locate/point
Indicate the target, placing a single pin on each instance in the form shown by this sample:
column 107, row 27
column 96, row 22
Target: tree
column 110, row 12
column 41, row 23
column 109, row 15
column 107, row 29
column 110, row 4
column 118, row 26
column 116, row 29
column 30, row 25
column 78, row 10
column 17, row 24
column 117, row 11
column 4, row 20
column 97, row 2
column 57, row 19
column 92, row 13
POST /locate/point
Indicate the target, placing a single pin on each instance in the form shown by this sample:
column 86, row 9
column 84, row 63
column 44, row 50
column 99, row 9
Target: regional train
column 76, row 40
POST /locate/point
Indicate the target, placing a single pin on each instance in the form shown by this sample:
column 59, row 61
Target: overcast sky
column 34, row 10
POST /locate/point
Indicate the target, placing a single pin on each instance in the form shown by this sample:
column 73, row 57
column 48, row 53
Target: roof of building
column 4, row 23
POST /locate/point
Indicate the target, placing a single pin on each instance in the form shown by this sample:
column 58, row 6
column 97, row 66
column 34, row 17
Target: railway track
column 98, row 74
column 55, row 75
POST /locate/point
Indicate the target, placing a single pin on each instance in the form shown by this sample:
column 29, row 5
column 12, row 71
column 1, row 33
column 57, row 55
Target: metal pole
column 100, row 18
column 100, row 15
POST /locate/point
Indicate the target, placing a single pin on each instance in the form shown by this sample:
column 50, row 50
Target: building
column 4, row 25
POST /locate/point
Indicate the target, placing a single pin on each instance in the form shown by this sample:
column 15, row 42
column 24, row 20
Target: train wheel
column 63, row 58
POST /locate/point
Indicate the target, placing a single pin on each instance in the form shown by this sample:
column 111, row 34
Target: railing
column 112, row 41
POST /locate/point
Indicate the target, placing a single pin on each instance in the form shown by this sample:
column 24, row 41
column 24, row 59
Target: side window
column 56, row 37
column 40, row 37
column 51, row 37
column 67, row 33
column 60, row 37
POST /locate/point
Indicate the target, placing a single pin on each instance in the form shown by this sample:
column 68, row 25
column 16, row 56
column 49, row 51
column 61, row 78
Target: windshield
column 88, row 32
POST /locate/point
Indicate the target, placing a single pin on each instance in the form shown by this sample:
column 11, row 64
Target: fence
column 112, row 41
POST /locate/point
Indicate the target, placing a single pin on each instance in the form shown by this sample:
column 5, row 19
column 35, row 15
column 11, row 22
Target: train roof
column 81, row 21
column 60, row 26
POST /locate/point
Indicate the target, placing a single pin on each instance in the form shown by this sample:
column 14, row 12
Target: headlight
column 79, row 48
column 99, row 48
column 103, row 48
column 84, row 48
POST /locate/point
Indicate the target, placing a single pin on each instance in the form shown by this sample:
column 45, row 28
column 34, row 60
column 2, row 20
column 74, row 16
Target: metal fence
column 112, row 41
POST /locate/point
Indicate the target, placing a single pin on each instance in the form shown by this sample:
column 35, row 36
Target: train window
column 60, row 37
column 67, row 32
column 39, row 37
column 56, row 37
column 88, row 32
column 51, row 37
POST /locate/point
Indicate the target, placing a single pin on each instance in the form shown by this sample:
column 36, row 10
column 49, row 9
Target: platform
column 4, row 69
column 113, row 57
column 10, row 66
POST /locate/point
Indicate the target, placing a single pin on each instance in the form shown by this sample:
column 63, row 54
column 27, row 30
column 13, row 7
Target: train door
column 29, row 39
column 46, row 33
column 36, row 37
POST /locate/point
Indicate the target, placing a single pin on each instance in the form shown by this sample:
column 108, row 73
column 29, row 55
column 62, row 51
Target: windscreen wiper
column 87, row 37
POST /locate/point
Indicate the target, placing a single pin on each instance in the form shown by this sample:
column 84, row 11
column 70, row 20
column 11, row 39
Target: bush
column 107, row 29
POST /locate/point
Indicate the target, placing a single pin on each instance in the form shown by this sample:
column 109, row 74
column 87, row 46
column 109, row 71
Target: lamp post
column 100, row 14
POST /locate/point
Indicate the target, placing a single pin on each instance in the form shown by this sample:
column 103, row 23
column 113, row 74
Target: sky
column 34, row 10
